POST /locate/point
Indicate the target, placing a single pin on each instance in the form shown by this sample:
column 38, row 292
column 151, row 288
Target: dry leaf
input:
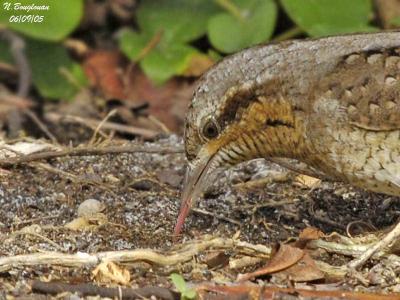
column 308, row 234
column 285, row 257
column 167, row 103
column 307, row 181
column 103, row 69
column 109, row 272
column 23, row 148
column 198, row 64
column 311, row 233
column 87, row 223
column 78, row 224
column 303, row 271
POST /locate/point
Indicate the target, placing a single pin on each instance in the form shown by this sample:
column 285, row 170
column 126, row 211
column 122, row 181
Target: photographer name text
column 23, row 12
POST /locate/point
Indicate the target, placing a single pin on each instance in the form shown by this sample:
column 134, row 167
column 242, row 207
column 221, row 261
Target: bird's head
column 232, row 118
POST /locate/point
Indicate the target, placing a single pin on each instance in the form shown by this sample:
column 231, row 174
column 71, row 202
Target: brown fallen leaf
column 167, row 103
column 306, row 235
column 307, row 181
column 304, row 270
column 215, row 259
column 311, row 233
column 103, row 69
column 286, row 257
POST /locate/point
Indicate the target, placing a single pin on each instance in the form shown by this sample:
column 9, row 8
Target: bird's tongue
column 183, row 213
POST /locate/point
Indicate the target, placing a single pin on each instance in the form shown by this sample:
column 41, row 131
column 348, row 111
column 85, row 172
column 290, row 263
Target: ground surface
column 140, row 194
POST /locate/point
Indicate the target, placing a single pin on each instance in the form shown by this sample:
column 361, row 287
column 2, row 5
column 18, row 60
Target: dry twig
column 183, row 254
column 85, row 151
column 93, row 123
column 88, row 289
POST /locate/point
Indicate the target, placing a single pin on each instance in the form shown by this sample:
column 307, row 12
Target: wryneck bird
column 331, row 103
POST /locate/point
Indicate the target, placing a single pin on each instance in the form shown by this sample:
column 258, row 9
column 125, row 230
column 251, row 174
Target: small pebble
column 90, row 207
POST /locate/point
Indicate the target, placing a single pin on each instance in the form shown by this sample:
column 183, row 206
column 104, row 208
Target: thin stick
column 108, row 116
column 184, row 254
column 150, row 45
column 145, row 133
column 88, row 289
column 86, row 151
column 220, row 217
column 41, row 125
column 392, row 236
column 17, row 47
column 160, row 124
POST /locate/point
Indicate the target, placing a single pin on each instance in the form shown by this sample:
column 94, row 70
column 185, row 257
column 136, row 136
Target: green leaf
column 132, row 43
column 176, row 22
column 255, row 24
column 53, row 24
column 53, row 72
column 180, row 20
column 161, row 65
column 189, row 294
column 327, row 17
column 181, row 286
column 179, row 282
column 5, row 54
column 395, row 21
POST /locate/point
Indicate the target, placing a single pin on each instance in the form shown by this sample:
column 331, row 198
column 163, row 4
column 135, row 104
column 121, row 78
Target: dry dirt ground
column 139, row 199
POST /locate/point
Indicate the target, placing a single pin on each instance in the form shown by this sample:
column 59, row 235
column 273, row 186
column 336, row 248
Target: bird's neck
column 276, row 128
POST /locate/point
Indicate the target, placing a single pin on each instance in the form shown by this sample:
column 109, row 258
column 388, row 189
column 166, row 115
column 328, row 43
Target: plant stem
column 231, row 8
column 288, row 34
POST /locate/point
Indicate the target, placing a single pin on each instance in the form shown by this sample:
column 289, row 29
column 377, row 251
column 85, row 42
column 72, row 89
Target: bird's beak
column 196, row 180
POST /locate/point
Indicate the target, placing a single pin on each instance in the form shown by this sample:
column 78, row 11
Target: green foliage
column 395, row 21
column 162, row 44
column 170, row 25
column 57, row 22
column 54, row 73
column 246, row 23
column 182, row 288
column 327, row 17
column 160, row 63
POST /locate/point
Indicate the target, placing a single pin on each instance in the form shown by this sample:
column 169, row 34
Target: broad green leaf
column 229, row 33
column 179, row 282
column 53, row 24
column 395, row 21
column 132, row 43
column 53, row 72
column 160, row 65
column 179, row 20
column 176, row 22
column 327, row 17
column 161, row 62
column 190, row 294
column 5, row 54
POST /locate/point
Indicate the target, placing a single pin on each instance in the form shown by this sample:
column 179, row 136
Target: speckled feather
column 332, row 103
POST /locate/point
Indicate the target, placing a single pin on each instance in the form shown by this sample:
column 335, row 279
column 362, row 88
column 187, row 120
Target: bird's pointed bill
column 196, row 179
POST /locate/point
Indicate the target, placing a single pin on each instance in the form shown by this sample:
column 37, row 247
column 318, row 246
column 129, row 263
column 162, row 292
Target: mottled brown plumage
column 331, row 103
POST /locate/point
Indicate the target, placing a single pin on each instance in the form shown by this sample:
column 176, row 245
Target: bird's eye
column 210, row 129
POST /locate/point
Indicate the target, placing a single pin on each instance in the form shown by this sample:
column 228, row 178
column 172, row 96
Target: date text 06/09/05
column 26, row 19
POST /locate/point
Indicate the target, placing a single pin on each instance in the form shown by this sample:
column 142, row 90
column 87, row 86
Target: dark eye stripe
column 232, row 105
